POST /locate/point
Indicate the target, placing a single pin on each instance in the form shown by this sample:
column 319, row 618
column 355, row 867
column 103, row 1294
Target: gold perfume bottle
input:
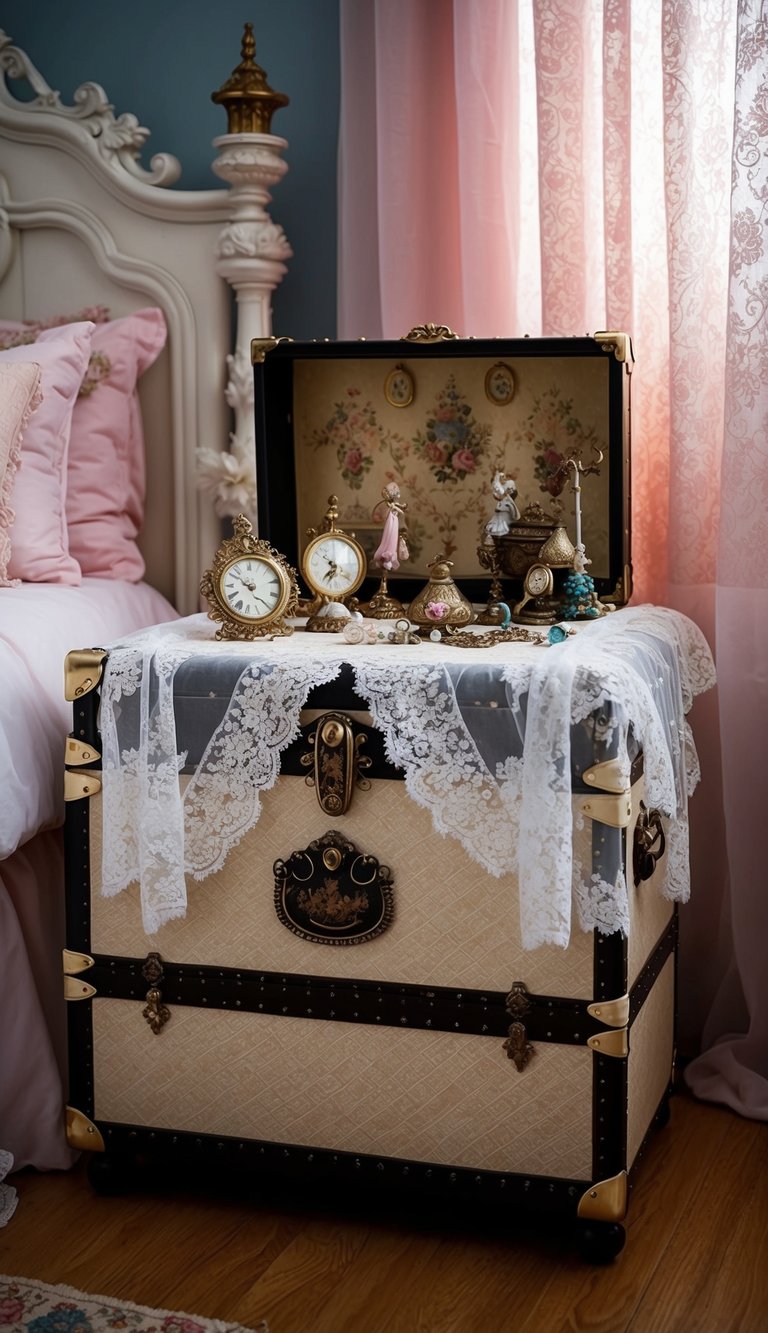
column 440, row 602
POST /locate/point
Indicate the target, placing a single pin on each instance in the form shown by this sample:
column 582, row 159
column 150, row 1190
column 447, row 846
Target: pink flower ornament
column 436, row 610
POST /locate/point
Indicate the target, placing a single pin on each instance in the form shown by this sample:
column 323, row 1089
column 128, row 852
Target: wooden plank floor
column 696, row 1259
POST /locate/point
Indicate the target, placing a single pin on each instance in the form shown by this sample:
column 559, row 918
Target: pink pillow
column 105, row 473
column 40, row 549
column 19, row 396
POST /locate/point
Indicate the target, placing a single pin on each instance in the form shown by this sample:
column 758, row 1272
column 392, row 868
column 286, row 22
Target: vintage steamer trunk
column 436, row 1055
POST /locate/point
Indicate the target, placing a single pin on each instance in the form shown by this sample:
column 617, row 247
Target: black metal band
column 315, row 1166
column 385, row 1004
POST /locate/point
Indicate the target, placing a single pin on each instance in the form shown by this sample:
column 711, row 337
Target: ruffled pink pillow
column 105, row 472
column 20, row 394
column 39, row 543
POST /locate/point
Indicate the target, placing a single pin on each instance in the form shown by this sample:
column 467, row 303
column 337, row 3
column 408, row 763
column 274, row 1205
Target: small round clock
column 333, row 566
column 250, row 588
column 538, row 582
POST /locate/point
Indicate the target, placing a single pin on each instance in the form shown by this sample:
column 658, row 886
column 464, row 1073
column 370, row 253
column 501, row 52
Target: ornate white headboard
column 82, row 222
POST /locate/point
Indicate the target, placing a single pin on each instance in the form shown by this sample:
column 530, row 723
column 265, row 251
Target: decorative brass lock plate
column 336, row 762
column 332, row 893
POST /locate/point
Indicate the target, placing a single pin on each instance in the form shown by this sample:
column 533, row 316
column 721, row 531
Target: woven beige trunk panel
column 455, row 925
column 651, row 1045
column 431, row 1096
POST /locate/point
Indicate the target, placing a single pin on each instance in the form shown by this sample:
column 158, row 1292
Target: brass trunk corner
column 614, row 1013
column 77, row 989
column 619, row 343
column 82, row 671
column 614, row 810
column 608, row 776
column 606, row 1200
column 82, row 1134
column 260, row 347
column 80, row 786
column 77, row 753
column 614, row 1042
column 74, row 963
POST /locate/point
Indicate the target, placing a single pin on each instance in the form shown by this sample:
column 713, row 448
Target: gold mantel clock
column 250, row 588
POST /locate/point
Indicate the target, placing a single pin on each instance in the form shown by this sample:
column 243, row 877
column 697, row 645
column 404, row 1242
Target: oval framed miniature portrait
column 399, row 387
column 500, row 384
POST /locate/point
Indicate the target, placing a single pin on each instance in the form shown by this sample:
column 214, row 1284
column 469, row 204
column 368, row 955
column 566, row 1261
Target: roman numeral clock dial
column 251, row 589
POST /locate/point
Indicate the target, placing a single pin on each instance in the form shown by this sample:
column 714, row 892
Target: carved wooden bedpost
column 249, row 255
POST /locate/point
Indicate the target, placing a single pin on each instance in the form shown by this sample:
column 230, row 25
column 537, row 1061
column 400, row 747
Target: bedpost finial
column 249, row 101
column 248, row 45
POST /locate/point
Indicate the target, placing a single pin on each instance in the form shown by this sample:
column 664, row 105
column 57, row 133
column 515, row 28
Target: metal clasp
column 517, row 1046
column 649, row 843
column 336, row 763
column 155, row 1012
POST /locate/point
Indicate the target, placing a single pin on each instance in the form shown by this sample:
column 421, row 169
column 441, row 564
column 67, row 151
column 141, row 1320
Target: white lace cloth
column 497, row 776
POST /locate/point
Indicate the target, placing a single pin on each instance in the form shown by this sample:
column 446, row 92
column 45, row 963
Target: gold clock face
column 538, row 581
column 333, row 565
column 250, row 588
column 254, row 588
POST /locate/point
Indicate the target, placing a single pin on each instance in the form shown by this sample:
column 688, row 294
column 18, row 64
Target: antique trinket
column 440, row 602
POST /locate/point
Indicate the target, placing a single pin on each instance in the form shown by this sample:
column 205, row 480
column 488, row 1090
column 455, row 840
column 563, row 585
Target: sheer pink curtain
column 557, row 166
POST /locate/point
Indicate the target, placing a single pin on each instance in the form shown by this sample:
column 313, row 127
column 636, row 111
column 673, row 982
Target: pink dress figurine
column 392, row 548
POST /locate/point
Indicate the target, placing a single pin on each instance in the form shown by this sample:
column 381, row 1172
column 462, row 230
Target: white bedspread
column 39, row 624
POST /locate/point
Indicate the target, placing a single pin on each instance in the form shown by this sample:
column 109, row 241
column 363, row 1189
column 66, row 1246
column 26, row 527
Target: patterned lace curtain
column 555, row 166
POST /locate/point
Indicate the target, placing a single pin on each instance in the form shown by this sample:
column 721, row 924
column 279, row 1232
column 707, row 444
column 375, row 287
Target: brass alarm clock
column 250, row 588
column 333, row 566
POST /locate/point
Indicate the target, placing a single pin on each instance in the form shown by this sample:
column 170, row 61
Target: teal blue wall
column 161, row 59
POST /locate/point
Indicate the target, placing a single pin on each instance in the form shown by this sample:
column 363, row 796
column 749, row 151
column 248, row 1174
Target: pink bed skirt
column 33, row 1070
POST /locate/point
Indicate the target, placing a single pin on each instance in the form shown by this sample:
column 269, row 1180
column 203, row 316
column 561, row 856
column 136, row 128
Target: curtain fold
column 557, row 166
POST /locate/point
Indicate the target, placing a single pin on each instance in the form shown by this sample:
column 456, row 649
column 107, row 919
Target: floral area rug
column 38, row 1308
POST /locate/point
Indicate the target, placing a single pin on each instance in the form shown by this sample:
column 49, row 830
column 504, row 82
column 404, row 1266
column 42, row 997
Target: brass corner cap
column 614, row 810
column 609, row 775
column 613, row 1013
column 619, row 343
column 79, row 786
column 82, row 671
column 613, row 1042
column 260, row 345
column 606, row 1200
column 77, row 753
column 74, row 962
column 82, row 1134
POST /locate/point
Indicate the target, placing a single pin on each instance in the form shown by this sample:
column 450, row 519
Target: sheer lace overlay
column 489, row 741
